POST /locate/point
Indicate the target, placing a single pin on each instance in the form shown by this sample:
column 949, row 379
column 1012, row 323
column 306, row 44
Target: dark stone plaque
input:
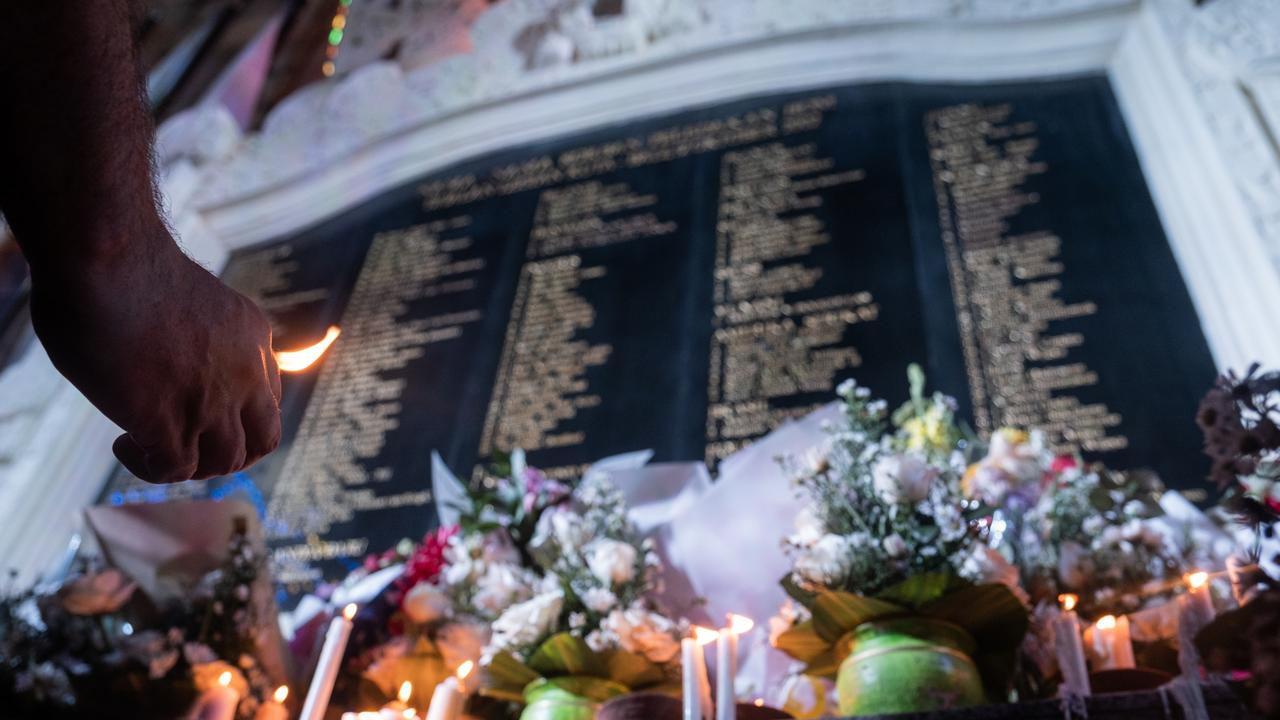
column 686, row 283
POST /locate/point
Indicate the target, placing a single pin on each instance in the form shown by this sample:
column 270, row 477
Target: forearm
column 75, row 135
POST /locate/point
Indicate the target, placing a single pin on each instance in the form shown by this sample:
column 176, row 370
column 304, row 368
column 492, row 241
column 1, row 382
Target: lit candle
column 335, row 644
column 218, row 702
column 727, row 666
column 448, row 698
column 1070, row 648
column 696, row 686
column 399, row 708
column 1195, row 610
column 274, row 708
column 1109, row 643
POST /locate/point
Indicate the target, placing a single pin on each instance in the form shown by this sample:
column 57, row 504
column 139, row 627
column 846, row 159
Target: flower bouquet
column 96, row 644
column 899, row 598
column 566, row 579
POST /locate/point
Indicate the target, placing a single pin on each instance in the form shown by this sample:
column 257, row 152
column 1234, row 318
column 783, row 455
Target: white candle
column 690, row 690
column 218, row 702
column 446, row 701
column 727, row 666
column 399, row 709
column 1195, row 610
column 449, row 697
column 1109, row 643
column 1069, row 648
column 274, row 708
column 335, row 644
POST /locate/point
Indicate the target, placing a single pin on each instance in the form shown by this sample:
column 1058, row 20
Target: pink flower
column 97, row 593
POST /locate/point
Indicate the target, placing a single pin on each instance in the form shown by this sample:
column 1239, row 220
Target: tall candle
column 690, row 692
column 1069, row 648
column 218, row 702
column 696, row 688
column 274, row 708
column 1110, row 644
column 727, row 666
column 335, row 644
column 1195, row 610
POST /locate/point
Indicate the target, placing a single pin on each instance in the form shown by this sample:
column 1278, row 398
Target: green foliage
column 564, row 654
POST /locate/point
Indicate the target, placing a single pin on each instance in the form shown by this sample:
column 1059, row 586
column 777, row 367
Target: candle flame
column 406, row 691
column 225, row 678
column 1106, row 622
column 1196, row 580
column 410, row 713
column 739, row 624
column 368, row 715
column 282, row 693
column 349, row 611
column 1068, row 601
column 759, row 702
column 465, row 669
column 702, row 635
column 294, row 361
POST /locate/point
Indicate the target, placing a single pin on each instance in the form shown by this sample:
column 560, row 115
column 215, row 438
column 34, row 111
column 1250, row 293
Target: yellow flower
column 929, row 431
column 966, row 483
column 1014, row 437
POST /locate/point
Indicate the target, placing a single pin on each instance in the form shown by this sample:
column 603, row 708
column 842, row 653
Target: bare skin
column 179, row 361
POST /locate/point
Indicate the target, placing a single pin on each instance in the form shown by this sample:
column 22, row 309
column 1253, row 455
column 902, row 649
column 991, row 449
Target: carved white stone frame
column 1197, row 87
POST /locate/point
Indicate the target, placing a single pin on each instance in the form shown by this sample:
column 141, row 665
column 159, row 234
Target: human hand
column 182, row 363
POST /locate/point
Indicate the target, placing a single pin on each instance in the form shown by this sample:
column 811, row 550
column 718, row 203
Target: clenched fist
column 185, row 368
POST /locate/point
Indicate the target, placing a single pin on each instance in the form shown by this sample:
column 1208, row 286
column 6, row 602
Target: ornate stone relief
column 525, row 45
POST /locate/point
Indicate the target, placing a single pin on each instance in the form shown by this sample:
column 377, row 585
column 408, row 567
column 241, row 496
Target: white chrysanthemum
column 599, row 600
column 644, row 633
column 611, row 561
column 525, row 623
column 902, row 478
column 826, row 562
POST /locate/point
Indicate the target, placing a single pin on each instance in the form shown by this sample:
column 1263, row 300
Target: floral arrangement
column 567, row 581
column 888, row 532
column 95, row 642
column 538, row 579
column 1240, row 418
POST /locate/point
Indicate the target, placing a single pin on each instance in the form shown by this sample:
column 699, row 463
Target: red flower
column 1063, row 463
column 426, row 562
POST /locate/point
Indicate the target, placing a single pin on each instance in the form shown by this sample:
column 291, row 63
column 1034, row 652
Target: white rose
column 564, row 528
column 425, row 603
column 526, row 623
column 643, row 632
column 809, row 527
column 599, row 600
column 826, row 562
column 895, row 546
column 499, row 587
column 611, row 561
column 902, row 478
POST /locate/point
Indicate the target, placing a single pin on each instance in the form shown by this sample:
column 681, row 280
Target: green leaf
column 919, row 590
column 802, row 642
column 506, row 677
column 992, row 614
column 564, row 654
column 827, row 665
column 836, row 613
column 797, row 593
column 634, row 671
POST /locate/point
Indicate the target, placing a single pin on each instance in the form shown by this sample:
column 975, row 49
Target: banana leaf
column 564, row 654
column 634, row 671
column 920, row 590
column 505, row 678
column 802, row 642
column 835, row 613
